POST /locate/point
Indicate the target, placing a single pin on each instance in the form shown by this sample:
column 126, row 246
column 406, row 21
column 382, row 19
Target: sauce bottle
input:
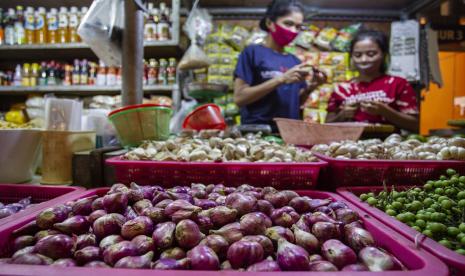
column 163, row 72
column 17, row 78
column 9, row 27
column 29, row 25
column 63, row 25
column 52, row 73
column 20, row 35
column 84, row 73
column 163, row 25
column 152, row 73
column 101, row 74
column 171, row 71
column 26, row 78
column 111, row 76
column 150, row 27
column 73, row 25
column 34, row 74
column 2, row 31
column 52, row 26
column 43, row 74
column 80, row 17
column 40, row 26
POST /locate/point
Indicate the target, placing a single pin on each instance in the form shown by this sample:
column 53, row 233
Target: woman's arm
column 397, row 118
column 346, row 113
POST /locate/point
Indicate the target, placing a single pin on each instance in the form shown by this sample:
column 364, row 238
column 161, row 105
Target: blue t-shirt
column 257, row 64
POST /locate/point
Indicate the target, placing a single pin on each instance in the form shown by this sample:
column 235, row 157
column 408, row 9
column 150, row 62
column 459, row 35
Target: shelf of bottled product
column 79, row 45
column 80, row 90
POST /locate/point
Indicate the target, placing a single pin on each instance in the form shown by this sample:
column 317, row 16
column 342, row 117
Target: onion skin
column 176, row 253
column 118, row 251
column 375, row 259
column 87, row 254
column 130, row 213
column 118, row 188
column 216, row 242
column 55, row 246
column 45, row 233
column 64, row 263
column 85, row 240
column 337, row 205
column 109, row 241
column 22, row 242
column 147, row 191
column 135, row 262
column 265, row 242
column 306, row 240
column 242, row 203
column 141, row 205
column 231, row 232
column 30, row 228
column 264, row 266
column 115, row 203
column 157, row 215
column 301, row 204
column 255, row 223
column 97, row 264
column 346, row 215
column 243, row 254
column 278, row 199
column 74, row 225
column 226, row 265
column 326, row 210
column 205, row 204
column 315, row 257
column 355, row 267
column 277, row 232
column 27, row 249
column 83, row 206
column 159, row 197
column 291, row 257
column 163, row 236
column 222, row 215
column 322, row 266
column 31, row 259
column 265, row 207
column 205, row 223
column 179, row 206
column 203, row 257
column 134, row 196
column 312, row 218
column 188, row 234
column 143, row 244
column 164, row 203
column 324, row 231
column 302, row 225
column 48, row 217
column 285, row 216
column 181, row 196
column 97, row 204
column 338, row 253
column 139, row 226
column 358, row 238
column 109, row 224
column 95, row 215
column 172, row 264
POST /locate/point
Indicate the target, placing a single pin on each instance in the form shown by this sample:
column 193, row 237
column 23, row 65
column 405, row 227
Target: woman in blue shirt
column 268, row 82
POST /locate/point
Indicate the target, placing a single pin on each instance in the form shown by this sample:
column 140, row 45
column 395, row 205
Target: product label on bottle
column 20, row 35
column 73, row 21
column 163, row 31
column 63, row 21
column 111, row 79
column 84, row 79
column 40, row 22
column 52, row 23
column 75, row 79
column 9, row 35
column 150, row 32
column 29, row 22
column 101, row 79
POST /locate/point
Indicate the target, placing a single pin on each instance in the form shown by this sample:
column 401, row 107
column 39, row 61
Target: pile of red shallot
column 202, row 227
column 7, row 210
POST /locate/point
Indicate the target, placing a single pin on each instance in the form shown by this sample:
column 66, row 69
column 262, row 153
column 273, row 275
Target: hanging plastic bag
column 197, row 27
column 178, row 118
column 102, row 29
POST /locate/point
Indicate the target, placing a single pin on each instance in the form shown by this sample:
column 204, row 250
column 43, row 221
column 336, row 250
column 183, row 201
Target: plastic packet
column 102, row 29
column 256, row 37
column 345, row 36
column 325, row 37
column 306, row 39
column 237, row 37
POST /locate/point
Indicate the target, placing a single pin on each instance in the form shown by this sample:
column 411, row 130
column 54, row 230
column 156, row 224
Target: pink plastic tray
column 41, row 197
column 418, row 262
column 347, row 173
column 453, row 259
column 280, row 175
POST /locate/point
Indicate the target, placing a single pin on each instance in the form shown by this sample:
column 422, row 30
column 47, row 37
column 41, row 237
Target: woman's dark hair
column 377, row 37
column 278, row 8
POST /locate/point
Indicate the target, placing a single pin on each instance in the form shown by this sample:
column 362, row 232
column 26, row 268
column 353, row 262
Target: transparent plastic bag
column 194, row 58
column 102, row 29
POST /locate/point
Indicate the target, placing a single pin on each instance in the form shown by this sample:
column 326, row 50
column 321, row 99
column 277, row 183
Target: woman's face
column 293, row 22
column 367, row 57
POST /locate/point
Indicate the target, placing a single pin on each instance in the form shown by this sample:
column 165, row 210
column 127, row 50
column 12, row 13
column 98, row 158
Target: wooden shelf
column 80, row 90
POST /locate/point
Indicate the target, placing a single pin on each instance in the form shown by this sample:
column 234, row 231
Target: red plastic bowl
column 455, row 261
column 418, row 262
column 207, row 116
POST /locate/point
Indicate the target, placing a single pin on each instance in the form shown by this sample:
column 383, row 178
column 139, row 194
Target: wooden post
column 133, row 54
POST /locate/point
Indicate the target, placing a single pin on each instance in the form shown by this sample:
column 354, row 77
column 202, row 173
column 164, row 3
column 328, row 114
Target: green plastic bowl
column 137, row 123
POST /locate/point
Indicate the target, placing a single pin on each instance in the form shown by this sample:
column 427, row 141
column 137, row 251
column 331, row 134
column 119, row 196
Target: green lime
column 453, row 231
column 462, row 241
column 435, row 206
column 364, row 197
column 446, row 204
column 397, row 205
column 402, row 217
column 418, row 190
column 451, row 172
column 446, row 243
column 391, row 212
column 461, row 203
column 410, row 223
column 415, row 206
column 428, row 201
column 441, row 198
column 461, row 251
column 427, row 233
column 421, row 223
column 460, row 236
column 372, row 201
column 462, row 227
column 422, row 216
column 461, row 195
column 436, row 227
column 416, row 228
column 430, row 210
column 402, row 200
column 451, row 192
column 371, row 194
column 410, row 216
column 442, row 177
column 462, row 179
column 439, row 191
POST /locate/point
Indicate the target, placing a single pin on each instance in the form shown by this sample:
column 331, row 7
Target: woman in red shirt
column 374, row 96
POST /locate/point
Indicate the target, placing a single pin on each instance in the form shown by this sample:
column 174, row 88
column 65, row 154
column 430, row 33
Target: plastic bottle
column 43, row 74
column 41, row 26
column 34, row 74
column 76, row 75
column 84, row 78
column 52, row 26
column 152, row 73
column 63, row 25
column 92, row 73
column 119, row 77
column 52, row 73
column 67, row 76
column 163, row 72
column 9, row 27
column 163, row 25
column 101, row 74
column 150, row 28
column 2, row 31
column 73, row 24
column 29, row 25
column 111, row 76
column 171, row 71
column 26, row 77
column 17, row 78
column 20, row 35
column 80, row 17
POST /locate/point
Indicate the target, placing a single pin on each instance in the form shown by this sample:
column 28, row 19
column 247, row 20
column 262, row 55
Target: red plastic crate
column 348, row 173
column 451, row 258
column 279, row 175
column 418, row 262
column 42, row 196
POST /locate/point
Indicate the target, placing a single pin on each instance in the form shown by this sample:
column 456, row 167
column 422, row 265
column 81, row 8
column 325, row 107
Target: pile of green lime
column 437, row 209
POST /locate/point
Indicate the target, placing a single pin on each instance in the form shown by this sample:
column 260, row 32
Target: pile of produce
column 395, row 148
column 437, row 209
column 201, row 227
column 9, row 125
column 13, row 208
column 217, row 149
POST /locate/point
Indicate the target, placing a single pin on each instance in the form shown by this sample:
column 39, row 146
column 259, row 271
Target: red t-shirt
column 394, row 91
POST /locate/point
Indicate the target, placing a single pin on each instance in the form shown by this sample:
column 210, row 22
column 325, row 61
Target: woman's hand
column 347, row 112
column 295, row 74
column 374, row 108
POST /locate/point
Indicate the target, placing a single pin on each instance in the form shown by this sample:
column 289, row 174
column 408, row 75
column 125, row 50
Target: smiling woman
column 374, row 96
